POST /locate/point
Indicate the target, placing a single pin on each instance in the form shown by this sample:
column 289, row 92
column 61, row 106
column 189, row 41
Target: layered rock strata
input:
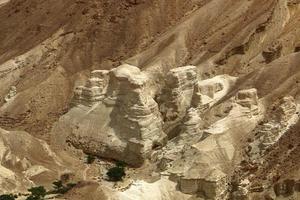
column 192, row 122
column 177, row 95
column 12, row 92
column 121, row 120
column 94, row 90
column 137, row 112
column 203, row 166
column 282, row 117
column 248, row 98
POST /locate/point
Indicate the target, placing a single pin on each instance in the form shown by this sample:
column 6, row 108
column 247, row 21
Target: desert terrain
column 192, row 99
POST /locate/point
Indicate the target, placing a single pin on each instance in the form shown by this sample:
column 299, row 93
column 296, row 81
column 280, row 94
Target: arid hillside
column 200, row 98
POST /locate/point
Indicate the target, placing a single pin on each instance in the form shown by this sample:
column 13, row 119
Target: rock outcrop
column 286, row 109
column 273, row 52
column 213, row 187
column 282, row 116
column 94, row 90
column 12, row 92
column 186, row 128
column 201, row 164
column 136, row 111
column 197, row 172
column 177, row 95
column 248, row 98
column 122, row 121
column 192, row 123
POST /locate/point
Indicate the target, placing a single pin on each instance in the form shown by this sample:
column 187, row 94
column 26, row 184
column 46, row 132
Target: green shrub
column 37, row 193
column 57, row 185
column 31, row 197
column 116, row 173
column 90, row 159
column 59, row 188
column 8, row 197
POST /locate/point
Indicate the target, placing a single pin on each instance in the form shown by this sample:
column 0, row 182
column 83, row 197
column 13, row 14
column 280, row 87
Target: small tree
column 34, row 198
column 118, row 172
column 8, row 197
column 57, row 185
column 90, row 159
column 37, row 193
column 60, row 188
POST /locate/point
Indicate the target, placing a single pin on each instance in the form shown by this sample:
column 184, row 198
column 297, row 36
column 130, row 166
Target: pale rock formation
column 203, row 165
column 270, row 133
column 267, row 136
column 211, row 88
column 248, row 98
column 177, row 96
column 208, row 92
column 12, row 92
column 282, row 117
column 138, row 113
column 190, row 129
column 94, row 89
column 197, row 172
column 162, row 189
column 124, row 124
column 192, row 122
column 190, row 132
column 286, row 109
column 213, row 187
column 241, row 193
column 200, row 101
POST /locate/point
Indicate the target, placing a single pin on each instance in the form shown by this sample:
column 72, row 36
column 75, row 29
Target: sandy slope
column 48, row 47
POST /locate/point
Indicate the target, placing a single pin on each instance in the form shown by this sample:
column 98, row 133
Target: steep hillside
column 200, row 98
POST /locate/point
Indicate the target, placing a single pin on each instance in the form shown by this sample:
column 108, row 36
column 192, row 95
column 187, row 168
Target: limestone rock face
column 177, row 95
column 192, row 123
column 12, row 92
column 247, row 98
column 124, row 122
column 138, row 113
column 210, row 89
column 197, row 172
column 281, row 118
column 202, row 165
column 287, row 108
column 190, row 132
column 211, row 189
column 94, row 89
column 200, row 100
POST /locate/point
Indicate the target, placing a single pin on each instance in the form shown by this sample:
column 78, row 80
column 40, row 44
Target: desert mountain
column 199, row 99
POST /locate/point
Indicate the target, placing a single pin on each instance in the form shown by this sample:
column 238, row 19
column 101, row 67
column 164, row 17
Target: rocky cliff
column 199, row 98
